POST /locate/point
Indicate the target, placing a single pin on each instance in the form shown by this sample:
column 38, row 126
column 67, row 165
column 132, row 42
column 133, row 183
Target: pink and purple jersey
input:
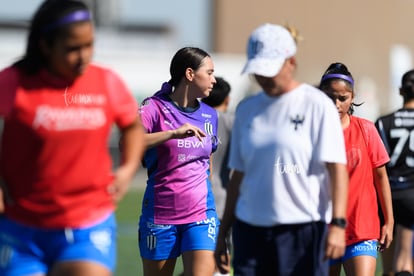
column 178, row 187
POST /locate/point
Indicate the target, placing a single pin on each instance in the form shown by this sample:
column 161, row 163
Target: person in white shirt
column 289, row 177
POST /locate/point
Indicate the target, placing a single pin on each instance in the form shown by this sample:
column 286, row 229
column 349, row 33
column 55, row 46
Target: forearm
column 339, row 183
column 133, row 146
column 231, row 200
column 156, row 138
column 384, row 193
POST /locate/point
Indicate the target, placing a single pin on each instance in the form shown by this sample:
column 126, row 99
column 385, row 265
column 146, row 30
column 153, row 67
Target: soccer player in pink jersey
column 178, row 211
column 58, row 187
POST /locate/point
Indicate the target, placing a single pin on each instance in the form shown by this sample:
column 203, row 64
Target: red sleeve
column 8, row 87
column 124, row 105
column 377, row 151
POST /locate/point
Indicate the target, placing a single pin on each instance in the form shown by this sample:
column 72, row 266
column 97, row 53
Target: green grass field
column 129, row 261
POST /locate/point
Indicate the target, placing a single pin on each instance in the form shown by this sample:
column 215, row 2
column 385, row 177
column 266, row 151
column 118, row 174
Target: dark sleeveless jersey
column 397, row 132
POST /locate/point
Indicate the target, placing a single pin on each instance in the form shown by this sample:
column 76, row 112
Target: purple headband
column 77, row 16
column 338, row 76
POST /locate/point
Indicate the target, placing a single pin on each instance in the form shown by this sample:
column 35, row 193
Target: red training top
column 365, row 151
column 54, row 156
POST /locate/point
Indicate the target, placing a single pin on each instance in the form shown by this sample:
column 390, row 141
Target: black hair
column 44, row 27
column 187, row 57
column 338, row 71
column 407, row 86
column 221, row 90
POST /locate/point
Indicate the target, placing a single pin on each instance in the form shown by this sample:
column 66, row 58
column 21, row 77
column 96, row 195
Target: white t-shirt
column 281, row 144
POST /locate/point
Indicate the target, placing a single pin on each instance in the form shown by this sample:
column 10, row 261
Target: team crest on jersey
column 208, row 127
column 297, row 120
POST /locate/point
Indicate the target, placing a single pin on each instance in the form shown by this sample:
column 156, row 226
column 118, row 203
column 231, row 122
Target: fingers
column 334, row 252
column 195, row 132
column 223, row 262
column 117, row 192
column 188, row 130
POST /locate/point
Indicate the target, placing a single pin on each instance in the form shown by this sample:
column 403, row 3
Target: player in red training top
column 368, row 181
column 58, row 188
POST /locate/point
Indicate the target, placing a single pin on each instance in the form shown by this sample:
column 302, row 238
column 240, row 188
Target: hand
column 188, row 130
column 386, row 236
column 119, row 187
column 2, row 201
column 222, row 255
column 4, row 196
column 335, row 242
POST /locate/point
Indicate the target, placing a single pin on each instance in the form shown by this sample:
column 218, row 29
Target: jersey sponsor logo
column 83, row 98
column 190, row 143
column 68, row 118
column 283, row 168
column 186, row 157
column 206, row 115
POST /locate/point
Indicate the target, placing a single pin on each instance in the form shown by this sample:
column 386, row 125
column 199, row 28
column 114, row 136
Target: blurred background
column 138, row 39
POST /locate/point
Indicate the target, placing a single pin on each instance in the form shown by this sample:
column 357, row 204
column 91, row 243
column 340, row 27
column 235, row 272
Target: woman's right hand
column 188, row 130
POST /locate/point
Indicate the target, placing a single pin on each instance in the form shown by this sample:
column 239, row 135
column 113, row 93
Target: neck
column 221, row 108
column 409, row 104
column 181, row 97
column 279, row 90
column 345, row 121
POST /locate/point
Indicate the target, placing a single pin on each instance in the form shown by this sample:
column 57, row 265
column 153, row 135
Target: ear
column 292, row 61
column 227, row 100
column 189, row 74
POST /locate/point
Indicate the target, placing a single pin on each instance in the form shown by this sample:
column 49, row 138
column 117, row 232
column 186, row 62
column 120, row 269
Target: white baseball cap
column 267, row 49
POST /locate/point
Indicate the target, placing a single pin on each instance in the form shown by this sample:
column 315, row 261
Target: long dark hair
column 48, row 23
column 187, row 57
column 338, row 71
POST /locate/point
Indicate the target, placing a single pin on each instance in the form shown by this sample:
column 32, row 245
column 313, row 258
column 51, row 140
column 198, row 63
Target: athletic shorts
column 294, row 249
column 363, row 248
column 167, row 241
column 402, row 204
column 26, row 250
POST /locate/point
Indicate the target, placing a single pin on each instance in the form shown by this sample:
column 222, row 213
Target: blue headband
column 77, row 16
column 338, row 76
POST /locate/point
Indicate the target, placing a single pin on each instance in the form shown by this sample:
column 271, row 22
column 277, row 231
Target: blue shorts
column 26, row 250
column 364, row 248
column 166, row 241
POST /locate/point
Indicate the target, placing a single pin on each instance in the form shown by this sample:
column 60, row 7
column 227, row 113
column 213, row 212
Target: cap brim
column 263, row 67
